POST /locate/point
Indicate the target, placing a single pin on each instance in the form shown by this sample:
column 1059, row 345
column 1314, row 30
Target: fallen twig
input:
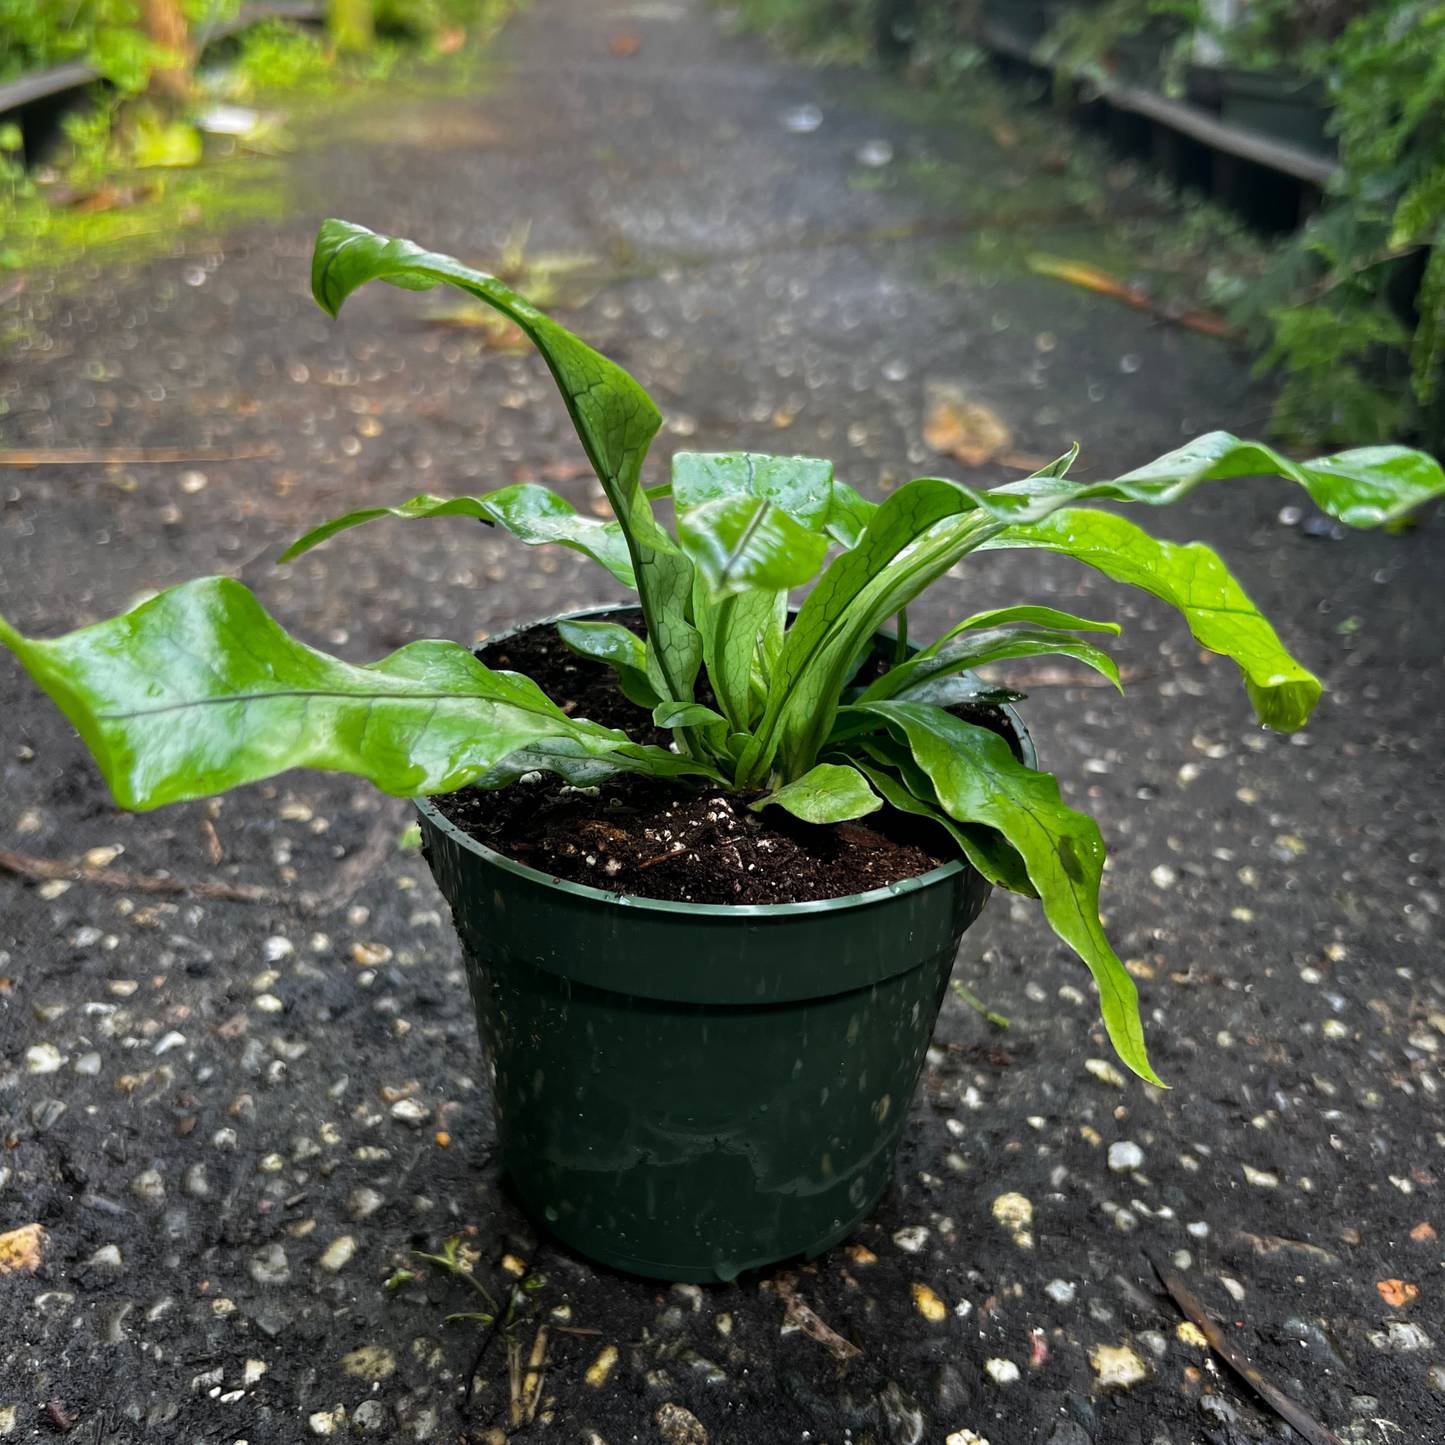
column 978, row 1006
column 1296, row 1416
column 44, row 868
column 785, row 1286
column 536, row 1374
column 132, row 456
column 1268, row 1244
column 1092, row 278
column 379, row 846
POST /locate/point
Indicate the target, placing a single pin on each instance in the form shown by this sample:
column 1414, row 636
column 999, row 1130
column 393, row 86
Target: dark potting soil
column 665, row 839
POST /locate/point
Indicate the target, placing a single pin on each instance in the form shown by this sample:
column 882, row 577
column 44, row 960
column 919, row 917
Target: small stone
column 1156, row 1343
column 1105, row 1072
column 327, row 1422
column 107, row 1257
column 1435, row 1378
column 601, row 1367
column 370, row 955
column 928, row 1304
column 264, row 980
column 149, row 1185
column 1402, row 1335
column 1001, row 1372
column 363, row 1203
column 1217, row 1411
column 1118, row 1367
column 43, row 1059
column 269, row 1265
column 411, row 1111
column 270, row 1164
column 87, row 1065
column 1061, row 1291
column 276, row 948
column 169, row 1041
column 1232, row 1288
column 268, row 1003
column 911, row 1238
column 1189, row 1333
column 965, row 1437
column 1198, row 1229
column 1163, row 877
column 224, row 1139
column 47, row 1113
column 370, row 1362
column 252, row 1372
column 338, row 1254
column 1260, row 1178
column 1125, row 1156
column 1181, row 1259
column 1015, row 1214
column 369, row 1416
column 679, row 1427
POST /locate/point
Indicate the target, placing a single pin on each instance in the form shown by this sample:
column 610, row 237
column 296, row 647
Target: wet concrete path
column 227, row 1188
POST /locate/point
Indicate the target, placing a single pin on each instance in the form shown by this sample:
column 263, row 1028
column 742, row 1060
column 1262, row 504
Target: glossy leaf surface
column 535, row 515
column 826, row 793
column 620, row 648
column 739, row 634
column 1362, row 488
column 684, row 715
column 746, row 544
column 1193, row 579
column 978, row 780
column 990, row 853
column 904, row 548
column 614, row 418
column 979, row 649
column 199, row 690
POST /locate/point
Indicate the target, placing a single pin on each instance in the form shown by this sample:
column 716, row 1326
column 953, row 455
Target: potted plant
column 688, row 1088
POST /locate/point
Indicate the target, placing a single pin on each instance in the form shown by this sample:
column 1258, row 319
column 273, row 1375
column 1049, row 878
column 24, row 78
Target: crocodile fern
column 199, row 690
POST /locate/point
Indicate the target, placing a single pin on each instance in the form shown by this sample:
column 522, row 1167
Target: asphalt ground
column 198, row 1094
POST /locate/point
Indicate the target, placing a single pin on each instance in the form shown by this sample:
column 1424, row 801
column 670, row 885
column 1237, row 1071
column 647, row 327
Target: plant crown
column 198, row 689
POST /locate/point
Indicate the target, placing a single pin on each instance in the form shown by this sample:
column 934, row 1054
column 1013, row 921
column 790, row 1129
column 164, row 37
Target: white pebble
column 1061, row 1291
column 911, row 1238
column 107, row 1257
column 88, row 1064
column 1260, row 1178
column 1124, row 1156
column 337, row 1255
column 1002, row 1372
column 411, row 1111
column 43, row 1059
column 1198, row 1230
column 1105, row 1072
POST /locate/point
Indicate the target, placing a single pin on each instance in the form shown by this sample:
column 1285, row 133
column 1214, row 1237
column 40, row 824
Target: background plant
column 199, row 690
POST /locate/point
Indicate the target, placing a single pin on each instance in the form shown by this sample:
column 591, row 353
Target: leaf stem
column 978, row 1006
column 900, row 647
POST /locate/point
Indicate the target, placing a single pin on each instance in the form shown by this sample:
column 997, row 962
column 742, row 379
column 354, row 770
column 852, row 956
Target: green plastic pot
column 687, row 1091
